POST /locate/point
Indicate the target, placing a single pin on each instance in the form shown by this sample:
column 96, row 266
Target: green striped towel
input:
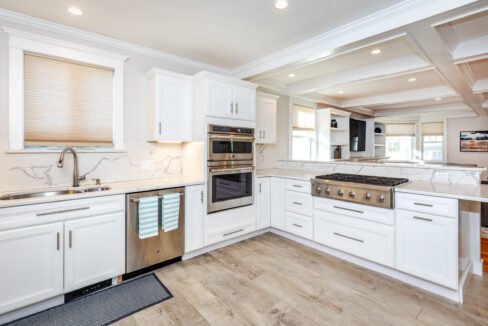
column 171, row 211
column 148, row 217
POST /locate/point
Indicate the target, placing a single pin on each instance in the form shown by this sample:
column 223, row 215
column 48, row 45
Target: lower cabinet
column 277, row 202
column 194, row 210
column 31, row 265
column 94, row 250
column 300, row 225
column 263, row 203
column 427, row 247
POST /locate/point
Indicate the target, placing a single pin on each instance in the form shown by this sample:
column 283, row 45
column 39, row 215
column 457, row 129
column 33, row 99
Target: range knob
column 340, row 193
column 367, row 196
column 327, row 191
column 381, row 198
column 352, row 194
column 318, row 189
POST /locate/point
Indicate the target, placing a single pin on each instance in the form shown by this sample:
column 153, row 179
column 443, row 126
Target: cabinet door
column 32, row 265
column 277, row 195
column 426, row 246
column 245, row 103
column 266, row 121
column 220, row 102
column 94, row 250
column 194, row 201
column 263, row 203
column 173, row 105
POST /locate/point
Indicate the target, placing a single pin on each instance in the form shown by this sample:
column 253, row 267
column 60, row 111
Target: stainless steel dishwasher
column 165, row 246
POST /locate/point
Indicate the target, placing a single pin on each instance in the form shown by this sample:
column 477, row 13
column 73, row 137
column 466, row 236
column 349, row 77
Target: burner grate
column 363, row 179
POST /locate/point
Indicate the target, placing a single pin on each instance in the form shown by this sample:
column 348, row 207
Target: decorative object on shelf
column 333, row 123
column 337, row 153
column 378, row 130
column 474, row 141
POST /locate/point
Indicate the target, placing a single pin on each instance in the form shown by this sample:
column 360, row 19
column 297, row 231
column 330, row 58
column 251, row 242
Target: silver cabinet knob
column 381, row 198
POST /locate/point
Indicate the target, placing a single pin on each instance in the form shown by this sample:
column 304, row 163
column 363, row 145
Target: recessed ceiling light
column 292, row 75
column 340, row 92
column 438, row 98
column 75, row 11
column 281, row 4
column 412, row 79
column 376, row 51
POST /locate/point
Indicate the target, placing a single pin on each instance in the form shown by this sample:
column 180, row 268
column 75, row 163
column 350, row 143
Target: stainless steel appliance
column 165, row 246
column 230, row 167
column 361, row 189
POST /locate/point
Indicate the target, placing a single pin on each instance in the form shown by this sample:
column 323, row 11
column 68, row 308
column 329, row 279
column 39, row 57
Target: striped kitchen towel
column 171, row 211
column 148, row 217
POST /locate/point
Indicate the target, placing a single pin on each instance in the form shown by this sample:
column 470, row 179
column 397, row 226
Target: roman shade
column 432, row 128
column 67, row 103
column 400, row 129
column 303, row 118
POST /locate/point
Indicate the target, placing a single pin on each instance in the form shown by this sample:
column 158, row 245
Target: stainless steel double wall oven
column 230, row 167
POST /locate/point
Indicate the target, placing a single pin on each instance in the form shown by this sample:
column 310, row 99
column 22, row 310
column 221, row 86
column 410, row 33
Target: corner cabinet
column 263, row 201
column 194, row 210
column 169, row 106
column 266, row 121
column 224, row 97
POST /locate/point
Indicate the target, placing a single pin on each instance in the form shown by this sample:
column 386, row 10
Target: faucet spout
column 76, row 176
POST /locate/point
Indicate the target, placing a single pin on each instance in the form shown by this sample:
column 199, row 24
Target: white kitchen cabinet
column 277, row 200
column 220, row 99
column 427, row 247
column 245, row 103
column 194, row 210
column 266, row 121
column 263, row 203
column 94, row 250
column 170, row 106
column 32, row 265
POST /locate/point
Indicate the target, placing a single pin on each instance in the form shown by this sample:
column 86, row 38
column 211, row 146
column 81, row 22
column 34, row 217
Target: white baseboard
column 478, row 267
column 32, row 309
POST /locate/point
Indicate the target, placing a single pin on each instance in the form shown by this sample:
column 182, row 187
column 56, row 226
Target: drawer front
column 229, row 233
column 299, row 225
column 374, row 214
column 427, row 204
column 364, row 239
column 299, row 185
column 299, row 203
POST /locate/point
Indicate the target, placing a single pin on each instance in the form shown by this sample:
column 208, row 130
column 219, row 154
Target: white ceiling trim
column 404, row 13
column 481, row 86
column 471, row 50
column 422, row 109
column 485, row 104
column 14, row 17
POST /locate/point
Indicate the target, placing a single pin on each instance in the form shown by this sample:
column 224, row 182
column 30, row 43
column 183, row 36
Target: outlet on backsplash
column 148, row 165
column 441, row 175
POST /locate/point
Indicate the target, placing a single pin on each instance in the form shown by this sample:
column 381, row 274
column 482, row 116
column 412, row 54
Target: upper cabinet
column 170, row 106
column 266, row 125
column 225, row 97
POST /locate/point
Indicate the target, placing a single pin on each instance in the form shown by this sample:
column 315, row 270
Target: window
column 400, row 141
column 303, row 133
column 433, row 141
column 63, row 94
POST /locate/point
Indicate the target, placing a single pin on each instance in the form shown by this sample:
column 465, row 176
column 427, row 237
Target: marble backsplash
column 30, row 171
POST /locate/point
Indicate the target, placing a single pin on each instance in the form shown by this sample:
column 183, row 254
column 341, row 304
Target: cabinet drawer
column 427, row 204
column 299, row 225
column 298, row 185
column 299, row 203
column 364, row 239
column 375, row 214
column 230, row 232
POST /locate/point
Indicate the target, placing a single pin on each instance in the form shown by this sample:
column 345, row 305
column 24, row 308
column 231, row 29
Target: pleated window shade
column 303, row 118
column 400, row 129
column 432, row 128
column 67, row 103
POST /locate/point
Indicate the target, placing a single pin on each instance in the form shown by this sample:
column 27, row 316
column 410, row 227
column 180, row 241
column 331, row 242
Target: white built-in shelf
column 338, row 129
column 339, row 144
column 378, row 134
column 379, row 145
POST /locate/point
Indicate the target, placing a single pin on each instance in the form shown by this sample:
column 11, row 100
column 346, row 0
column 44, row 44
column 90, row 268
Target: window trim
column 20, row 42
column 444, row 140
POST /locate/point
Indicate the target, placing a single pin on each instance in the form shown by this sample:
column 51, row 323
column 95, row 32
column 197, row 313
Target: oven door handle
column 236, row 170
column 230, row 137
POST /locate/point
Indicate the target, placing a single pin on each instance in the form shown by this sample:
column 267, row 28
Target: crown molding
column 404, row 13
column 41, row 24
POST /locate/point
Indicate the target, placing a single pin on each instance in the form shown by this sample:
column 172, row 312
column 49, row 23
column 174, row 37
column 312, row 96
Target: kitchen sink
column 52, row 193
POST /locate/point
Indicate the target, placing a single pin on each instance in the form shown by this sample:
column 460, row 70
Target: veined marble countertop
column 439, row 189
column 117, row 188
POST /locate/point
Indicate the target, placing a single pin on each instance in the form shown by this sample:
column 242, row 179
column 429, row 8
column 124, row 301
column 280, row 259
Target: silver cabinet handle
column 297, row 225
column 297, row 186
column 260, row 188
column 297, row 203
column 57, row 240
column 347, row 237
column 233, row 232
column 160, row 127
column 64, row 211
column 237, row 108
column 260, row 134
column 425, row 205
column 264, row 134
column 70, row 240
column 349, row 209
column 423, row 218
column 231, row 108
column 201, row 196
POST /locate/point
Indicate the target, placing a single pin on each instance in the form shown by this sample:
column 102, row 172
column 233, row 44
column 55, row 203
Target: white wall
column 454, row 155
column 27, row 171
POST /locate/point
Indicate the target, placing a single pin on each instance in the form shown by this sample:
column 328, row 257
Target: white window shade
column 67, row 103
column 303, row 118
column 432, row 128
column 400, row 129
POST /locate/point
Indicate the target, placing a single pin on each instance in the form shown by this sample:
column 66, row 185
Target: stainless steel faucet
column 76, row 176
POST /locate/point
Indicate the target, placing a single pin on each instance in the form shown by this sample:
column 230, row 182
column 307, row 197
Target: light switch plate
column 148, row 165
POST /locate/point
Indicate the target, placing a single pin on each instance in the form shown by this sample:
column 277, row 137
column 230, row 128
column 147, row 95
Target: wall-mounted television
column 357, row 135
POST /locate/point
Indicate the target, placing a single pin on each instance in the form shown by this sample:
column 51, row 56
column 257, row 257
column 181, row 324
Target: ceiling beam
column 480, row 86
column 422, row 110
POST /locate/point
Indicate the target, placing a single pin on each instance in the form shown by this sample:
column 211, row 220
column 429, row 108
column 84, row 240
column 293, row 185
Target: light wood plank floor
column 269, row 280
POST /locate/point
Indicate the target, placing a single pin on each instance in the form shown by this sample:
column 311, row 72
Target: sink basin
column 51, row 193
